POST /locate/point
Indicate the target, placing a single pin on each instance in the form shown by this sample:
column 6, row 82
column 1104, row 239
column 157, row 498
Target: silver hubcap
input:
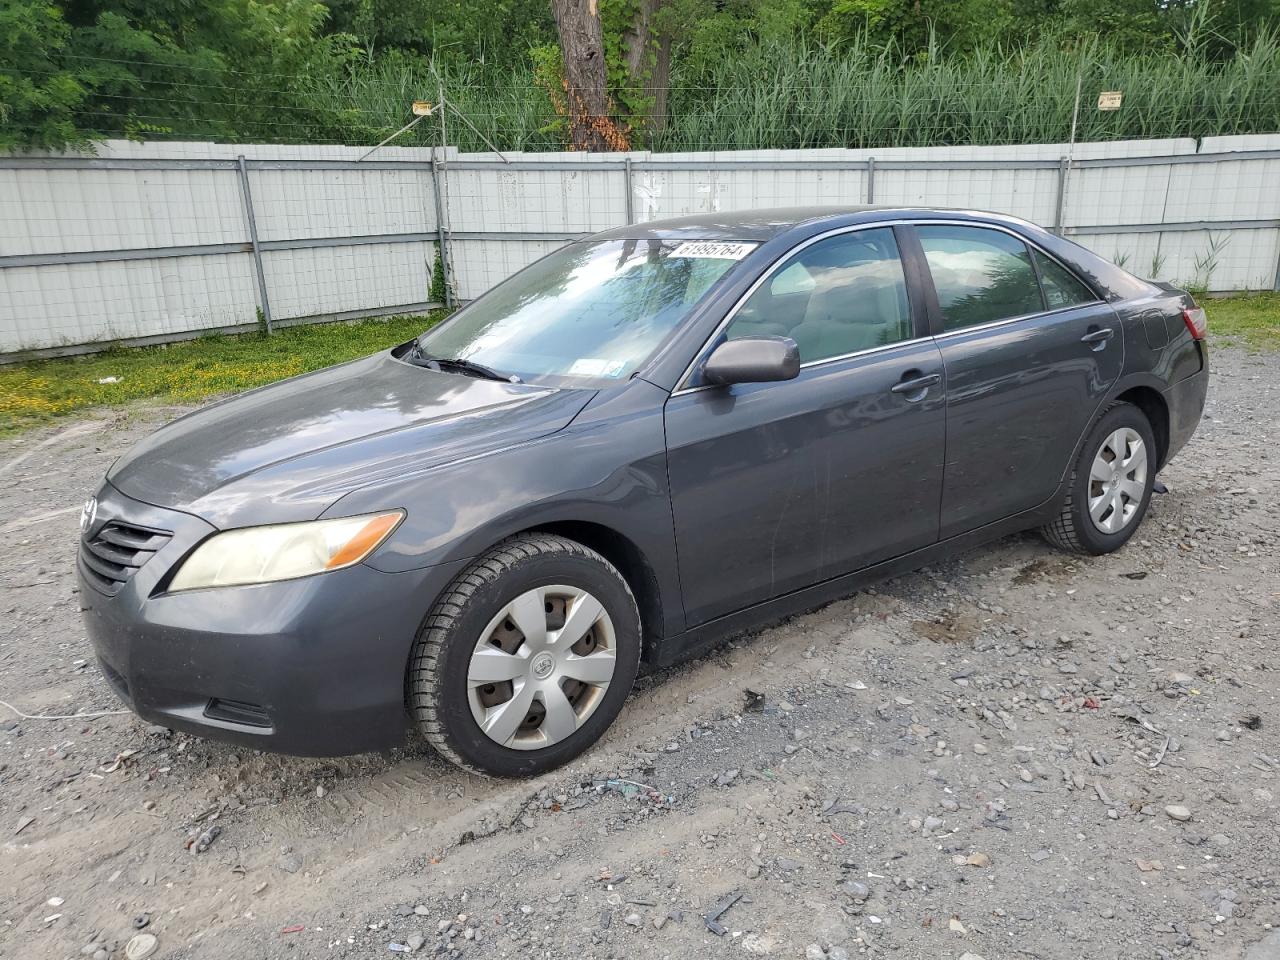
column 541, row 667
column 1117, row 480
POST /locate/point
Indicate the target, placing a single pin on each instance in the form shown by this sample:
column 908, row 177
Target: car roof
column 740, row 224
column 793, row 224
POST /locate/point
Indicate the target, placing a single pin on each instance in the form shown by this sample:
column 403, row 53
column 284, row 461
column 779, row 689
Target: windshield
column 592, row 311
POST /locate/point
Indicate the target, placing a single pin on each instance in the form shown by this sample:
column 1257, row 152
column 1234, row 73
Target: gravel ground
column 1017, row 753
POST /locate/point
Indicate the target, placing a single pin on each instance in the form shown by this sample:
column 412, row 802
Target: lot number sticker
column 713, row 250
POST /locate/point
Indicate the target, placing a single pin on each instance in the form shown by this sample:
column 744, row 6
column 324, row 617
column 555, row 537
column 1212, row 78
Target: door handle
column 916, row 385
column 1097, row 339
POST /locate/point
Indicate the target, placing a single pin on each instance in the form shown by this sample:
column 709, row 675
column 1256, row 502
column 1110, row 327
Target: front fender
column 608, row 468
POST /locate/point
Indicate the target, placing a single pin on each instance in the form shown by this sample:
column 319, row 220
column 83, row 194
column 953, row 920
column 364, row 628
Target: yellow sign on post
column 422, row 108
column 1110, row 99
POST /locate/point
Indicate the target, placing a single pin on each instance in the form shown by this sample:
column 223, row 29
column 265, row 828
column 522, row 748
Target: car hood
column 288, row 451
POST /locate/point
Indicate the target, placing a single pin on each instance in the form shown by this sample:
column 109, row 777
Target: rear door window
column 981, row 275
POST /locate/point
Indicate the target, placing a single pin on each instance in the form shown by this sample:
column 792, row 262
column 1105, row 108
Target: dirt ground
column 1017, row 753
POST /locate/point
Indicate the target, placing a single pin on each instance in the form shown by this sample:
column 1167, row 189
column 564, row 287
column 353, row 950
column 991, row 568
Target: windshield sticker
column 713, row 250
column 595, row 367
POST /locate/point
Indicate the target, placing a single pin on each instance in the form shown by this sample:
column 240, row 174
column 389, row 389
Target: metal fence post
column 1064, row 165
column 871, row 179
column 437, row 169
column 247, row 195
column 626, row 172
column 1276, row 285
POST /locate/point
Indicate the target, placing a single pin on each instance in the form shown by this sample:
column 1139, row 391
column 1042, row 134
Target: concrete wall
column 151, row 241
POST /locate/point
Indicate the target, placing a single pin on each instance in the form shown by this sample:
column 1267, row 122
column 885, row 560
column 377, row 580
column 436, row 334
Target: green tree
column 39, row 98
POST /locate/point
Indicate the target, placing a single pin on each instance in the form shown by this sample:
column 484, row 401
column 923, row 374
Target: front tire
column 526, row 658
column 1110, row 486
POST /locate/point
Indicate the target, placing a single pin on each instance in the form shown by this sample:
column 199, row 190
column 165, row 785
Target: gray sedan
column 644, row 442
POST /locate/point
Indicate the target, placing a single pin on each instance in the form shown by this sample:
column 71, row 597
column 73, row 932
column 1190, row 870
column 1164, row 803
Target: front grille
column 116, row 552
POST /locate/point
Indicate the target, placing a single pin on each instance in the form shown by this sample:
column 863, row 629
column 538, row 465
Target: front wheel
column 1110, row 486
column 526, row 658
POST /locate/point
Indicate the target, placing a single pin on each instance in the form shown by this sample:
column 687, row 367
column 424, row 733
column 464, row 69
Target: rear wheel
column 1110, row 486
column 526, row 658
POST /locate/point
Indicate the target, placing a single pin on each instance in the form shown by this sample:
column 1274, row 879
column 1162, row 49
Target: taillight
column 1196, row 322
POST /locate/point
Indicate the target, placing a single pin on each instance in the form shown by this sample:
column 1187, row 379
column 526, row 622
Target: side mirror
column 752, row 360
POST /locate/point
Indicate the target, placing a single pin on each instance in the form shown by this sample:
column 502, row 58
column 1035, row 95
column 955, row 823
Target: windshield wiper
column 421, row 358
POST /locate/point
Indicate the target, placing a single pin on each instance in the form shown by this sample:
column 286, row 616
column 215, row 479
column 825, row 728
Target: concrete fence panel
column 157, row 241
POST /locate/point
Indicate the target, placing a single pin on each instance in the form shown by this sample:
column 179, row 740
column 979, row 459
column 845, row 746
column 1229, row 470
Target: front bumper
column 314, row 666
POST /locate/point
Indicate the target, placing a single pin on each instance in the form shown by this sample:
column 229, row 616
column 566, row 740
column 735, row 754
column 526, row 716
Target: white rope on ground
column 70, row 716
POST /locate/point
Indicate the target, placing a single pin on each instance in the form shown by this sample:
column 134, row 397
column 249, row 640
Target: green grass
column 1253, row 321
column 39, row 392
column 190, row 371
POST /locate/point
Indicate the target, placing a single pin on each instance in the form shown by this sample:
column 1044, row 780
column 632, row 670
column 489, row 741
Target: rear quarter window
column 1061, row 287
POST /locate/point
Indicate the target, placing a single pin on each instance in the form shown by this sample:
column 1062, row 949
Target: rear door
column 1030, row 353
column 776, row 486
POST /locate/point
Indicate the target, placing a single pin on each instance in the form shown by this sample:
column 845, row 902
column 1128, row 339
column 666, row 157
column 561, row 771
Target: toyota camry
column 643, row 442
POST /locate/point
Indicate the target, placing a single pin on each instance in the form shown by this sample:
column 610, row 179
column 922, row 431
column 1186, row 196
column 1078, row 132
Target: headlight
column 283, row 551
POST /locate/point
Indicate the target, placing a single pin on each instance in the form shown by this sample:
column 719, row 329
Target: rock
column 1041, row 855
column 422, row 910
column 955, row 926
column 415, row 941
column 932, row 823
column 837, row 953
column 1177, row 812
column 978, row 860
column 141, row 946
column 814, row 952
column 980, row 749
column 757, row 945
column 290, row 863
column 633, row 920
column 970, row 956
column 726, row 778
column 856, row 889
column 753, row 871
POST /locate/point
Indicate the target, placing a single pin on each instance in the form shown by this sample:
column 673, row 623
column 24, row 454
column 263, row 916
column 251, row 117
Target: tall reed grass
column 802, row 94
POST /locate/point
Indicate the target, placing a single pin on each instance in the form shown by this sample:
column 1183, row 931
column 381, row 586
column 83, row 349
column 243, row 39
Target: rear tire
column 1110, row 486
column 526, row 658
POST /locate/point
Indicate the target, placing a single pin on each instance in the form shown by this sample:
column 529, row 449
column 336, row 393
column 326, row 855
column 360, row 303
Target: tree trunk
column 586, row 94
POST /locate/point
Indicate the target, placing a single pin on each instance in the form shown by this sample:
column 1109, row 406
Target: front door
column 1030, row 353
column 777, row 486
